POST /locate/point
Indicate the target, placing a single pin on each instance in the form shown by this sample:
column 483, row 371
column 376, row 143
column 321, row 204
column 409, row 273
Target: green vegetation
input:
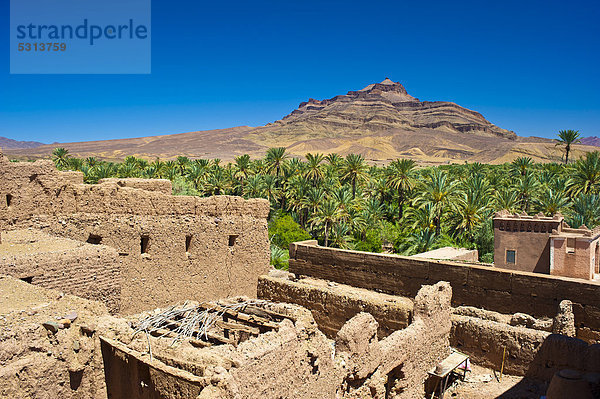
column 346, row 203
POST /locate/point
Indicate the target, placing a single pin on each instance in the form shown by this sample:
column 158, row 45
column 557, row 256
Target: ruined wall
column 39, row 362
column 73, row 267
column 295, row 360
column 160, row 185
column 500, row 290
column 171, row 248
column 333, row 304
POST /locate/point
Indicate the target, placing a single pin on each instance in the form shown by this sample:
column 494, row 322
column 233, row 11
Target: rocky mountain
column 7, row 143
column 592, row 140
column 384, row 106
column 382, row 122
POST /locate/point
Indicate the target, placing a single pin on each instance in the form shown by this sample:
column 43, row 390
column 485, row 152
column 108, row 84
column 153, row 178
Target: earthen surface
column 38, row 363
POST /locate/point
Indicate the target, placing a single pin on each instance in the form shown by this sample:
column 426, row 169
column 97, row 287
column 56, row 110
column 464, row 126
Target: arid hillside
column 381, row 122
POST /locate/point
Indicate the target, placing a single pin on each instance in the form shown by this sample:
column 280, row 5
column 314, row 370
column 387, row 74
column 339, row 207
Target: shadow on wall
column 559, row 352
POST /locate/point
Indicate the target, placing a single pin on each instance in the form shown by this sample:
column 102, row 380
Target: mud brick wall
column 88, row 271
column 504, row 291
column 171, row 248
column 333, row 305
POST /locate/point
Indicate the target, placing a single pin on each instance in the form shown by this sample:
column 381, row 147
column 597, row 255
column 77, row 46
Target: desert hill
column 382, row 122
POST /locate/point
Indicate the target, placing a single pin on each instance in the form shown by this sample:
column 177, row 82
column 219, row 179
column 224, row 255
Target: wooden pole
column 502, row 367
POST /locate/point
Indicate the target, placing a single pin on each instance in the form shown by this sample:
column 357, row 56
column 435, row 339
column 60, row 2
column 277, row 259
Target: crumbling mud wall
column 498, row 290
column 333, row 304
column 88, row 271
column 171, row 248
column 291, row 360
column 45, row 357
column 486, row 340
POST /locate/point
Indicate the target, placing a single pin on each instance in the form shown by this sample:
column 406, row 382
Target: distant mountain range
column 382, row 122
column 7, row 143
column 592, row 140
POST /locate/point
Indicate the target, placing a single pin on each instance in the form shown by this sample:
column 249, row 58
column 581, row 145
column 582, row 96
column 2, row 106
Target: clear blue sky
column 529, row 66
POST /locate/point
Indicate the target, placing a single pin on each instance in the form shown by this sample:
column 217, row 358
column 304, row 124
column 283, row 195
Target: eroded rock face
column 387, row 105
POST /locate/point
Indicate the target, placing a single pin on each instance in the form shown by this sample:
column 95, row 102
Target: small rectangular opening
column 188, row 243
column 511, row 256
column 570, row 245
column 94, row 239
column 8, row 200
column 145, row 243
column 232, row 239
column 27, row 279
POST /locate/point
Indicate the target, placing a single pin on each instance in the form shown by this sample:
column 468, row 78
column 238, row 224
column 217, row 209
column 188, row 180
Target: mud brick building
column 546, row 245
column 166, row 248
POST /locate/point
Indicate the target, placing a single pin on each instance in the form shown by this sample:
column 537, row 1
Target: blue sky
column 527, row 66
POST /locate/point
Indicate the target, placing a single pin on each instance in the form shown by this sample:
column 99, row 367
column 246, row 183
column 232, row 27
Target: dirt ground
column 482, row 383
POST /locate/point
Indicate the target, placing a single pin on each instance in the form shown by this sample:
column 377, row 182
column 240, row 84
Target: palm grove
column 346, row 203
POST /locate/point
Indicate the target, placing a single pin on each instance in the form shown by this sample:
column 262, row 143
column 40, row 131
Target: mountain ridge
column 7, row 143
column 382, row 122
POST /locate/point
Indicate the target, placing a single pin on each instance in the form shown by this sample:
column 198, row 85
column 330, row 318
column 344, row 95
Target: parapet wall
column 503, row 291
column 332, row 304
column 171, row 248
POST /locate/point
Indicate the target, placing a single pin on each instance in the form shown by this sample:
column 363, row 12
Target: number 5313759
column 42, row 46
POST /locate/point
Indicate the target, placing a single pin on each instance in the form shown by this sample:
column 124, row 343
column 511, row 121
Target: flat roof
column 443, row 253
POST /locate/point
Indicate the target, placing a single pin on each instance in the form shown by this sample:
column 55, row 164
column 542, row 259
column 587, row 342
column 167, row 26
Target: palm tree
column 419, row 241
column 242, row 167
column 507, row 198
column 327, row 214
column 585, row 211
column 440, row 192
column 334, row 159
column 521, row 165
column 196, row 174
column 340, row 236
column 60, row 156
column 422, row 217
column 552, row 201
column 75, row 163
column 585, row 177
column 91, row 161
column 314, row 171
column 125, row 170
column 401, row 178
column 279, row 257
column 216, row 182
column 182, row 164
column 472, row 207
column 274, row 158
column 104, row 171
column 354, row 169
column 566, row 138
column 254, row 187
column 271, row 186
column 526, row 188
